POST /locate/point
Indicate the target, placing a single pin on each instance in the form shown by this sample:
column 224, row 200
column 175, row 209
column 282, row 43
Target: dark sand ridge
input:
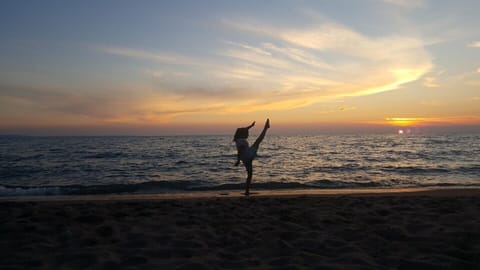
column 374, row 229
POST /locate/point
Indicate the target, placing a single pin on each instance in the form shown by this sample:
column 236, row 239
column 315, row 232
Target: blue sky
column 167, row 66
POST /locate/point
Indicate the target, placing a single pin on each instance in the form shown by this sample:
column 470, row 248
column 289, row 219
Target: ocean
column 165, row 164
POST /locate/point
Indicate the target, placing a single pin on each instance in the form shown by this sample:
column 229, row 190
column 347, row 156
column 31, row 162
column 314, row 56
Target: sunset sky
column 206, row 67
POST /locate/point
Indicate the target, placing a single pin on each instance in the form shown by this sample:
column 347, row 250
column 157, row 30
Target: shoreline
column 365, row 192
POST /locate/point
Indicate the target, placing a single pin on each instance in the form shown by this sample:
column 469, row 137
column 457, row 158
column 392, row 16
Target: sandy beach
column 423, row 229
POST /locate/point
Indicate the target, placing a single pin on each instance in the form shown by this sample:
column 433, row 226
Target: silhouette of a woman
column 247, row 153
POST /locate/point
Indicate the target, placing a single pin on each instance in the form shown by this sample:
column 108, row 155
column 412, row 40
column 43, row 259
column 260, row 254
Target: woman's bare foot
column 267, row 123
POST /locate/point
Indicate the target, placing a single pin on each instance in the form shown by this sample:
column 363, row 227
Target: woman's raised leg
column 256, row 144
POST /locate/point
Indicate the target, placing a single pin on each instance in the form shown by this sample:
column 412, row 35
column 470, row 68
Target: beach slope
column 400, row 230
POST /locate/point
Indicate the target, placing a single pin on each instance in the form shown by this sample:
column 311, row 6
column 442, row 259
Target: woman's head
column 241, row 133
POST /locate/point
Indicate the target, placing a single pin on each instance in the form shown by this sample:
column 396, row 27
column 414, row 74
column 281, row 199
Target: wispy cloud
column 248, row 72
column 287, row 68
column 362, row 65
column 336, row 110
column 66, row 107
column 168, row 58
column 431, row 103
column 256, row 50
column 165, row 74
column 57, row 100
column 475, row 44
column 343, row 40
column 299, row 55
column 430, row 82
column 406, row 3
column 249, row 56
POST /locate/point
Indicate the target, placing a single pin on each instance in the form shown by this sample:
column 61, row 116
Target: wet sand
column 374, row 229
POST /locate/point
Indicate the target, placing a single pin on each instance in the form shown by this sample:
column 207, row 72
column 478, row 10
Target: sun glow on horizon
column 431, row 121
column 404, row 121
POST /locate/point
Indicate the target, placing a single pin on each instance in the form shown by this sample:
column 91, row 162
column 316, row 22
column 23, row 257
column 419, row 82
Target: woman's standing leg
column 249, row 167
